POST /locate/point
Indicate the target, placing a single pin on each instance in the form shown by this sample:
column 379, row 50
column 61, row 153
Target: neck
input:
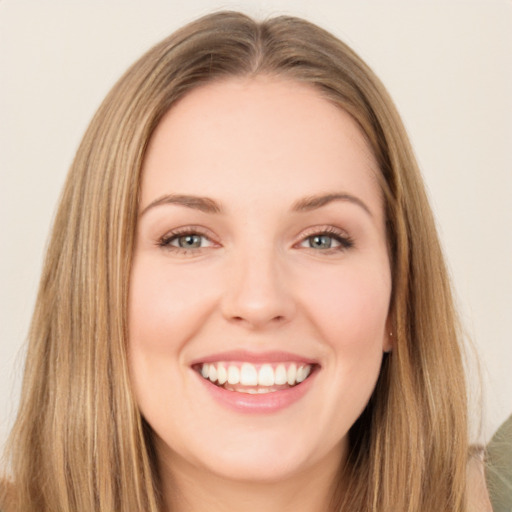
column 189, row 489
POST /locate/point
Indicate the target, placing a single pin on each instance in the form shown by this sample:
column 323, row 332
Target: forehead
column 257, row 136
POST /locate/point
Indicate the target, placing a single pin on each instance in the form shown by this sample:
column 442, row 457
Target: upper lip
column 254, row 357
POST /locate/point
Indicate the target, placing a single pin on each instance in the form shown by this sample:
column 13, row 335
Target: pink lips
column 254, row 357
column 266, row 403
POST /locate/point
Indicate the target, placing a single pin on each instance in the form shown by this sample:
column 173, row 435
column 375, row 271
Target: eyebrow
column 208, row 205
column 314, row 202
column 204, row 204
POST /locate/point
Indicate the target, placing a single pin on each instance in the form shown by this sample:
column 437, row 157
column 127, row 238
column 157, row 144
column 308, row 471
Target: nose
column 257, row 294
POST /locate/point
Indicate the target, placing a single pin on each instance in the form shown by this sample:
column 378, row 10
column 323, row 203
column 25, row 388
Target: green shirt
column 499, row 468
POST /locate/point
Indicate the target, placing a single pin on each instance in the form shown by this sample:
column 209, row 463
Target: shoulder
column 478, row 496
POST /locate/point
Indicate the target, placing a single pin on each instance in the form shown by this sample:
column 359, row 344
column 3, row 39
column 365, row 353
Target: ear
column 388, row 340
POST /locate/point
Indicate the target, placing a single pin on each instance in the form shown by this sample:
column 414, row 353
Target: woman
column 244, row 302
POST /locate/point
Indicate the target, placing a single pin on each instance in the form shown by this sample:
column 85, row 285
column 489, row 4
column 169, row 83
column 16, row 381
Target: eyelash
column 341, row 237
column 168, row 238
column 345, row 241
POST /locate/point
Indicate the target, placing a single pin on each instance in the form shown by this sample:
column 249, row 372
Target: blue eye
column 185, row 241
column 326, row 241
column 321, row 241
column 189, row 241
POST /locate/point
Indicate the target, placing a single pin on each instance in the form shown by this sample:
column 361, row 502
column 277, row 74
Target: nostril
column 278, row 318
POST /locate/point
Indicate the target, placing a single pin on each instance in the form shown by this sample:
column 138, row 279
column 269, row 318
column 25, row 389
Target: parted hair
column 79, row 442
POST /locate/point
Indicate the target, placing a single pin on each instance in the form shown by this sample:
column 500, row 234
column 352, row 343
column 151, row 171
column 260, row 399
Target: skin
column 257, row 147
column 478, row 495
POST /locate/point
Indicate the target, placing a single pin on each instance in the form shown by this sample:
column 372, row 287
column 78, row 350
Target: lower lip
column 265, row 403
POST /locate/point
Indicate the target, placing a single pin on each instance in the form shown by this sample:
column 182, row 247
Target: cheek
column 166, row 310
column 350, row 306
column 166, row 306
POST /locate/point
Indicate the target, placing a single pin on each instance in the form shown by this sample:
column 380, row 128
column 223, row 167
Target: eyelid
column 164, row 241
column 344, row 239
column 322, row 229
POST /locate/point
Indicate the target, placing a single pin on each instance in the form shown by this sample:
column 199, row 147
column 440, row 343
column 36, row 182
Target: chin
column 258, row 466
column 256, row 456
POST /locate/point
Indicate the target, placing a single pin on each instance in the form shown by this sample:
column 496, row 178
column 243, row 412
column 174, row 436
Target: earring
column 390, row 348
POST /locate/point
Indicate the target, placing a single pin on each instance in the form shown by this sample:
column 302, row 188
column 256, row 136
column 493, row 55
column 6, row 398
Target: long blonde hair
column 79, row 442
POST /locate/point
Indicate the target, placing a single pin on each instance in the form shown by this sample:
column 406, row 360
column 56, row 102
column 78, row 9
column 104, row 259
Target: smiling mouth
column 255, row 379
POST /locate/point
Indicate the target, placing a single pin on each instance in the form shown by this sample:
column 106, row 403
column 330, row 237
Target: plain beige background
column 447, row 64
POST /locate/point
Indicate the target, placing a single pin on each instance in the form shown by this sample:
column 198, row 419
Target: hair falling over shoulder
column 79, row 442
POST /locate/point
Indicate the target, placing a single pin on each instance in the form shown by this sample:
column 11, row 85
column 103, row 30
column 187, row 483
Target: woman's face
column 261, row 283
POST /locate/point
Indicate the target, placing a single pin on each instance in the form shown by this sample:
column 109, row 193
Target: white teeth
column 212, row 373
column 292, row 374
column 248, row 375
column 222, row 374
column 266, row 376
column 302, row 373
column 233, row 375
column 281, row 376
